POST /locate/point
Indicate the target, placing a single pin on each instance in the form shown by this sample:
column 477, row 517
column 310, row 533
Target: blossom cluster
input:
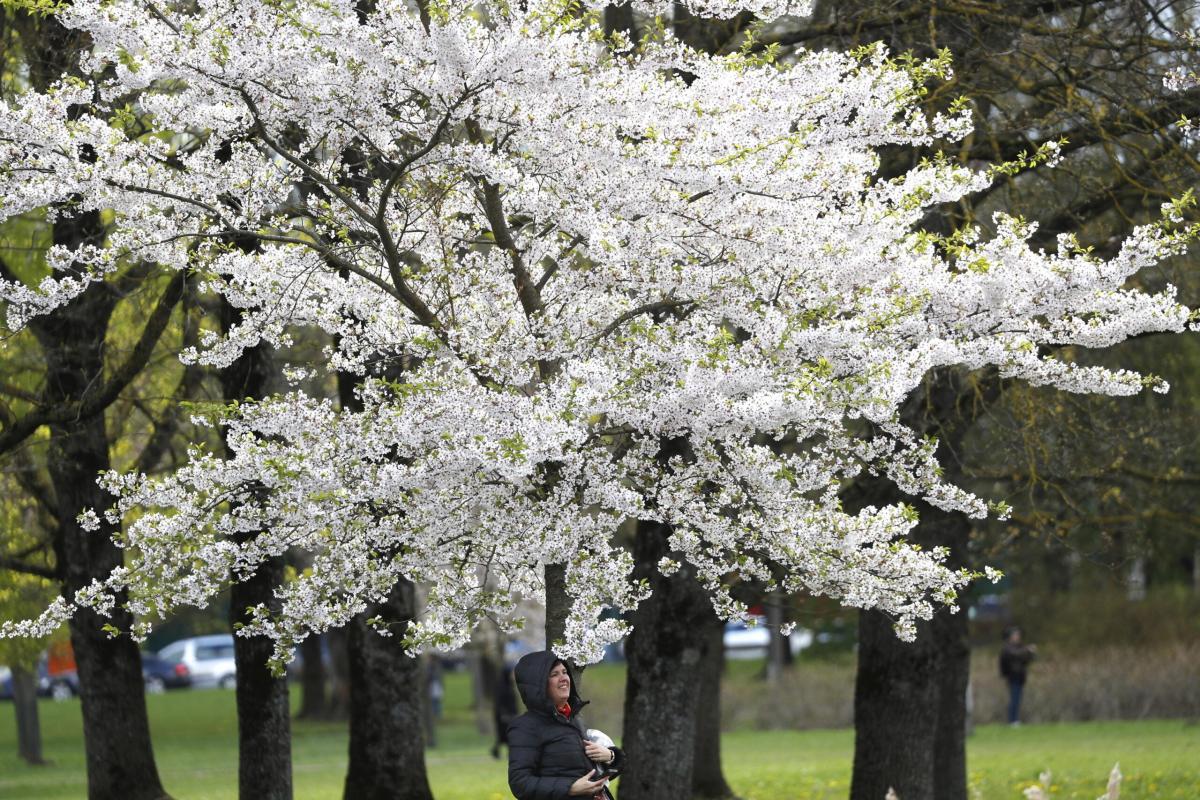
column 623, row 283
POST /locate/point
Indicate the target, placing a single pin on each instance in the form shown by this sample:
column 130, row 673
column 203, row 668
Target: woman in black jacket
column 549, row 756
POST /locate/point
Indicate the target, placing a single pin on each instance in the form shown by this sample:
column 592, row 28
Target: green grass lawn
column 196, row 747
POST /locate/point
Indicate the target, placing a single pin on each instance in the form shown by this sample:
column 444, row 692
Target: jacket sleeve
column 523, row 750
column 618, row 762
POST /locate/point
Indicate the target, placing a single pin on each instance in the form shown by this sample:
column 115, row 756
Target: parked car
column 744, row 640
column 159, row 674
column 61, row 686
column 209, row 659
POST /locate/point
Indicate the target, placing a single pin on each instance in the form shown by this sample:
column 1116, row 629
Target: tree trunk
column 1196, row 567
column 708, row 779
column 339, row 674
column 895, row 712
column 778, row 646
column 708, row 34
column 387, row 754
column 29, row 729
column 387, row 697
column 910, row 698
column 619, row 17
column 558, row 604
column 558, row 607
column 264, row 722
column 664, row 675
column 425, row 696
column 950, row 635
column 313, row 703
column 120, row 759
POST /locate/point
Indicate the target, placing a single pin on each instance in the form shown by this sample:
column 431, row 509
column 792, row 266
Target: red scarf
column 565, row 710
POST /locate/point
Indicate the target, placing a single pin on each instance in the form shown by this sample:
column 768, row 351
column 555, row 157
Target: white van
column 208, row 658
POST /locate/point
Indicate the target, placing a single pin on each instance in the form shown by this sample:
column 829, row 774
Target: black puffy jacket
column 545, row 749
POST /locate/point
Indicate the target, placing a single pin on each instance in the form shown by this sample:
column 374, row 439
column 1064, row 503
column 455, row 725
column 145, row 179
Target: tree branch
column 18, row 565
column 646, row 308
column 112, row 388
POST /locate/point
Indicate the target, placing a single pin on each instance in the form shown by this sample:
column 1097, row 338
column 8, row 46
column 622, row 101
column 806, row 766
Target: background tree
column 70, row 397
column 22, row 594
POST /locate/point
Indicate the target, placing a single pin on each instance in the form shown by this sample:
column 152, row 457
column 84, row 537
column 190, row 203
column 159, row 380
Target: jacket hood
column 532, row 674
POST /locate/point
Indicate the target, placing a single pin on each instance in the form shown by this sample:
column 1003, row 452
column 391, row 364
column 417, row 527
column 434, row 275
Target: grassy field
column 195, row 744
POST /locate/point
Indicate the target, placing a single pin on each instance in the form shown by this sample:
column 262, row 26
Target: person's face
column 1015, row 637
column 559, row 685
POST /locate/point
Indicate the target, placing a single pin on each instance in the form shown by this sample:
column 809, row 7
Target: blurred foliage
column 21, row 595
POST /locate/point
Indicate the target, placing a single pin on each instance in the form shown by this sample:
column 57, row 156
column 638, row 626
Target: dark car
column 160, row 674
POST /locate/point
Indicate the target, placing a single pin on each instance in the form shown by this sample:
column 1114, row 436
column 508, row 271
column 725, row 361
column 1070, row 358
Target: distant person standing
column 504, row 707
column 1014, row 667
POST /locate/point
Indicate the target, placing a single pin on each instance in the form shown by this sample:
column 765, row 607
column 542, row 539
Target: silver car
column 208, row 658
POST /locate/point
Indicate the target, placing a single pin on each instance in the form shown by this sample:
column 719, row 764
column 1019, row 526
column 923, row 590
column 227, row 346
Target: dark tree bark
column 619, row 17
column 910, row 698
column 910, row 713
column 707, row 34
column 895, row 711
column 120, row 758
column 313, row 677
column 386, row 691
column 662, row 685
column 264, row 722
column 387, row 753
column 950, row 745
column 708, row 778
column 29, row 729
column 558, row 604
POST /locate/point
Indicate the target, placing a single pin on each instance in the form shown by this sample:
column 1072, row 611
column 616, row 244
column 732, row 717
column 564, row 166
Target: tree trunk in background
column 313, row 703
column 619, row 17
column 558, row 607
column 708, row 779
column 264, row 716
column 29, row 729
column 910, row 698
column 428, row 723
column 707, row 34
column 120, row 759
column 264, row 721
column 662, row 686
column 778, row 646
column 1196, row 567
column 339, row 674
column 387, row 751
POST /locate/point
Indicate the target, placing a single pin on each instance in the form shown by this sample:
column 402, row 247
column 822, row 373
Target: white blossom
column 618, row 295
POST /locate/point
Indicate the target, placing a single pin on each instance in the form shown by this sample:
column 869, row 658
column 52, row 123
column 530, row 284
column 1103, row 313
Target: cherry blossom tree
column 604, row 278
